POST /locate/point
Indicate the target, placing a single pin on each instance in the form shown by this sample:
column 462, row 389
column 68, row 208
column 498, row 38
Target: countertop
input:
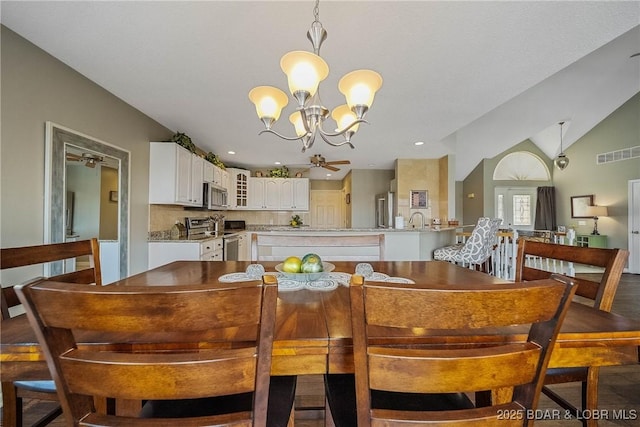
column 160, row 237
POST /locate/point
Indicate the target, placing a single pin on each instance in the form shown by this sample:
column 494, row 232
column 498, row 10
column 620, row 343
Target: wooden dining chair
column 13, row 393
column 538, row 260
column 371, row 247
column 403, row 380
column 185, row 368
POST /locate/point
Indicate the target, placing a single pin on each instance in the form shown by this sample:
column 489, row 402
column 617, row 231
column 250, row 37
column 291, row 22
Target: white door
column 326, row 209
column 634, row 226
column 516, row 206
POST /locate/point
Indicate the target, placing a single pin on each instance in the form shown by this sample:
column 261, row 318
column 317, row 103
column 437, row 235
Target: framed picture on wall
column 579, row 206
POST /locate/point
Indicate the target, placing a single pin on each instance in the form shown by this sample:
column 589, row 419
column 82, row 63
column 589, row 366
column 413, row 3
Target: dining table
column 313, row 322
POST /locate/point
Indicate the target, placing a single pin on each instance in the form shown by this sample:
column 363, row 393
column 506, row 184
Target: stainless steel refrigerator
column 384, row 210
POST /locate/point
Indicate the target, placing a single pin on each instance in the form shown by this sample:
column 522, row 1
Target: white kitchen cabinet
column 294, row 194
column 264, row 193
column 163, row 252
column 238, row 188
column 176, row 175
column 208, row 172
column 224, row 179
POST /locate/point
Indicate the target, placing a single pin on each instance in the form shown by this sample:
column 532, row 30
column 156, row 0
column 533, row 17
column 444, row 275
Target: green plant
column 296, row 221
column 183, row 140
column 212, row 158
column 282, row 172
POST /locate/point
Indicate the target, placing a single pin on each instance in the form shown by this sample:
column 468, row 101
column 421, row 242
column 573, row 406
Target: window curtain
column 546, row 209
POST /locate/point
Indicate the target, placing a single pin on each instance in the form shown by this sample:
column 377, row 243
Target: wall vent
column 616, row 156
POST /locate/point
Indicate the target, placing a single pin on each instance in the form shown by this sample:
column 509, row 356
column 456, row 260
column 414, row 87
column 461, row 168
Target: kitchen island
column 406, row 244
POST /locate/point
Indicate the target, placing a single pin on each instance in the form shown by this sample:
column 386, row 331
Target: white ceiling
column 468, row 78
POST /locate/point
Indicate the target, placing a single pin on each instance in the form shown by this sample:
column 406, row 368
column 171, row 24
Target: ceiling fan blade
column 338, row 162
column 331, row 168
column 73, row 157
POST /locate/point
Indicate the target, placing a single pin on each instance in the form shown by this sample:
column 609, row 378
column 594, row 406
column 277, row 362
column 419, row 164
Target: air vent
column 616, row 156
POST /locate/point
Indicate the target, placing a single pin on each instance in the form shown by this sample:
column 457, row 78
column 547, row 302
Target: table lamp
column 595, row 212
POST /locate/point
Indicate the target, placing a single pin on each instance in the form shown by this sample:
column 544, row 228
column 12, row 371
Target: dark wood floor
column 619, row 386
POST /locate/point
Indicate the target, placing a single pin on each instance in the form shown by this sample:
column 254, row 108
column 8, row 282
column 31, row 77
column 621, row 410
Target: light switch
column 582, row 222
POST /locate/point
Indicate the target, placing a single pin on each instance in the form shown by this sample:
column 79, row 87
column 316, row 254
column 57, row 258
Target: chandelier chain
column 316, row 11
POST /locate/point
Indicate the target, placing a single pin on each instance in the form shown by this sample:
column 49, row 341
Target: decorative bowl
column 307, row 277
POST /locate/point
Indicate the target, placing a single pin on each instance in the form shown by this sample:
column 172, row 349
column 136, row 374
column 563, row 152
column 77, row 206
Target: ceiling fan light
column 304, row 70
column 344, row 117
column 269, row 101
column 359, row 87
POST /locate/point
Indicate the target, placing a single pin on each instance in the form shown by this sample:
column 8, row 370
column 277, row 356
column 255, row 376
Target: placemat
column 328, row 283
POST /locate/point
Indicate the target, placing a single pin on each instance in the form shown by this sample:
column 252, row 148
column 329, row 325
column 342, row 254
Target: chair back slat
column 326, row 246
column 601, row 292
column 190, row 353
column 395, row 362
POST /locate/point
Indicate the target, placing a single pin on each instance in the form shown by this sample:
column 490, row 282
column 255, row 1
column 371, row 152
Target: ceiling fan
column 318, row 161
column 90, row 160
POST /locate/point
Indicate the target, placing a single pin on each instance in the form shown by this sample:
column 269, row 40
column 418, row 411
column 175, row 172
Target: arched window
column 521, row 166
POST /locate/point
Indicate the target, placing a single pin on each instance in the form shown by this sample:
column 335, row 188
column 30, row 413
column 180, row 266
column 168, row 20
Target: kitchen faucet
column 421, row 216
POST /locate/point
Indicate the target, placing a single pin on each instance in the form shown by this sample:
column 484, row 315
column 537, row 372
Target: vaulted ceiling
column 469, row 79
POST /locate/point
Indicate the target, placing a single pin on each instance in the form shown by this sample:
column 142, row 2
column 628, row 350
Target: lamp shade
column 269, row 101
column 595, row 211
column 304, row 70
column 359, row 87
column 296, row 119
column 344, row 117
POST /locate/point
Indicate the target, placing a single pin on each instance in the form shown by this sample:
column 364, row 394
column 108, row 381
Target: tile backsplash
column 162, row 217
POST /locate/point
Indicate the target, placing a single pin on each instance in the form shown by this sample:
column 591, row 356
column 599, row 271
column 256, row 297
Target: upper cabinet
column 175, row 175
column 238, row 188
column 294, row 194
column 279, row 194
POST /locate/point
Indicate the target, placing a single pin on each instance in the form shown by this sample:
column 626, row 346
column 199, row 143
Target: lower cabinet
column 591, row 240
column 164, row 252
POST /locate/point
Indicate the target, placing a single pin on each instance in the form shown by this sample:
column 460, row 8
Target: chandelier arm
column 343, row 131
column 288, row 138
column 335, row 144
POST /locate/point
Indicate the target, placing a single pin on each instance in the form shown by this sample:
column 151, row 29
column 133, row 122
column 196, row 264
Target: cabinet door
column 197, row 170
column 217, row 175
column 208, row 172
column 240, row 183
column 272, row 193
column 301, row 194
column 256, row 193
column 286, row 194
column 224, row 179
column 183, row 175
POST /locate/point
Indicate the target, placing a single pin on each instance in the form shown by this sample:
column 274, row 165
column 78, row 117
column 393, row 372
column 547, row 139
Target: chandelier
column 305, row 71
column 562, row 161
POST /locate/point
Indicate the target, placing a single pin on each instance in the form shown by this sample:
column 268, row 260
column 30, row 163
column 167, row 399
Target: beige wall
column 420, row 174
column 37, row 88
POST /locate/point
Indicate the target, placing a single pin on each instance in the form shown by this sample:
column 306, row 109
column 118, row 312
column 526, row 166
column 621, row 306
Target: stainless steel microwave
column 214, row 197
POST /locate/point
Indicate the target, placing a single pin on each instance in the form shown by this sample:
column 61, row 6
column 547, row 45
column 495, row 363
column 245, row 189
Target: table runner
column 328, row 283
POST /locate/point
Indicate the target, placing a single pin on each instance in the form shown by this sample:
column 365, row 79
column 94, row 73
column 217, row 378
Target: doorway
column 515, row 206
column 327, row 209
column 634, row 226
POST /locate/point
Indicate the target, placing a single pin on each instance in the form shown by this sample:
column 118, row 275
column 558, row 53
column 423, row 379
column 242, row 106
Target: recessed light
column 231, row 152
column 277, row 163
column 371, row 165
column 418, row 143
column 328, row 174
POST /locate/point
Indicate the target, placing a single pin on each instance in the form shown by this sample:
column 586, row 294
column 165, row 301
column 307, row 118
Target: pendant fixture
column 562, row 161
column 305, row 71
